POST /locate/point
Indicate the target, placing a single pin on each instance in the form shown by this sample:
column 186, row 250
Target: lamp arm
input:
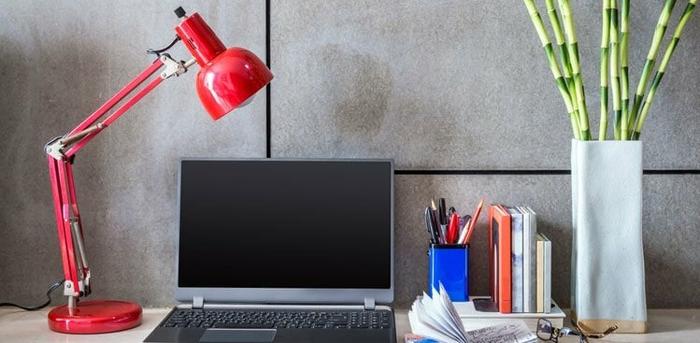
column 69, row 144
column 61, row 153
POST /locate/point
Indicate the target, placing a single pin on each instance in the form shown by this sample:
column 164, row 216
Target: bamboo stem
column 618, row 126
column 572, row 45
column 659, row 32
column 604, row 51
column 624, row 63
column 560, row 40
column 564, row 60
column 551, row 58
column 662, row 67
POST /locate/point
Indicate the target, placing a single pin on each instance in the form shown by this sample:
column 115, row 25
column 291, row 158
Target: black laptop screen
column 285, row 224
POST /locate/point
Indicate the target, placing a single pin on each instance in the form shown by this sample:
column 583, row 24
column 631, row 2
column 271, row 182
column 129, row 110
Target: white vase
column 607, row 277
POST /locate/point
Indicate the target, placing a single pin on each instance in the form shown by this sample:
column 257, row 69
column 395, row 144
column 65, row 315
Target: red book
column 500, row 253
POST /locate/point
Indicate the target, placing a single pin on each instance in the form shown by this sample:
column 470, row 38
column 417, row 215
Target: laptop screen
column 285, row 224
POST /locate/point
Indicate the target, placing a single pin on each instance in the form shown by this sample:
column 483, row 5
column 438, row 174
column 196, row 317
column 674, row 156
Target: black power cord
column 158, row 52
column 39, row 307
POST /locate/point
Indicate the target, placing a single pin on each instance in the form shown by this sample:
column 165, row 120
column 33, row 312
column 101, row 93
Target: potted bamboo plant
column 606, row 174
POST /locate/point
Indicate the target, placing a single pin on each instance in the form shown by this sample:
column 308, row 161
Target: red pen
column 453, row 228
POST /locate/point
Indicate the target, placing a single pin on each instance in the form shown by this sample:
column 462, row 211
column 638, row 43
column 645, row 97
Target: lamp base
column 97, row 316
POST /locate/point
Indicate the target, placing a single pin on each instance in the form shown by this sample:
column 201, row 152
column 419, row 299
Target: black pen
column 442, row 216
column 435, row 226
column 431, row 226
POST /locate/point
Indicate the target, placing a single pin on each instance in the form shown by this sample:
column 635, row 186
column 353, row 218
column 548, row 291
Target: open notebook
column 436, row 319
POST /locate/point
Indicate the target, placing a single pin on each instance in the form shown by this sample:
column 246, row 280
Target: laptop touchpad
column 238, row 336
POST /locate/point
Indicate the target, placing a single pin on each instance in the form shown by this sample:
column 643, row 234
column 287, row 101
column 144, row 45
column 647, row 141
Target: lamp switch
column 180, row 12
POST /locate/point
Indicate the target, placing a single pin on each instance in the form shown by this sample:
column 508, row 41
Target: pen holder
column 449, row 264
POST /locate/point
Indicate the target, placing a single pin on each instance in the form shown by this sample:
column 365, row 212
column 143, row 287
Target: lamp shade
column 229, row 80
column 228, row 77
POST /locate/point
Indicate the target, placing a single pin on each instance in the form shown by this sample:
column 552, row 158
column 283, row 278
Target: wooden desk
column 26, row 327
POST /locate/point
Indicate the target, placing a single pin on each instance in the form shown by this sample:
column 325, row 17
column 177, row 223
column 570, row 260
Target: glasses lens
column 544, row 329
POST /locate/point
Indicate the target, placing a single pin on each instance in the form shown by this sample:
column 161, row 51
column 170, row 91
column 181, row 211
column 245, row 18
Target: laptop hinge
column 197, row 303
column 370, row 304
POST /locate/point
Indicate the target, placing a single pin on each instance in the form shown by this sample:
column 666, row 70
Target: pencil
column 472, row 224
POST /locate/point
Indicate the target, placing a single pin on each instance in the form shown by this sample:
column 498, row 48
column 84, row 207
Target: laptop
column 283, row 251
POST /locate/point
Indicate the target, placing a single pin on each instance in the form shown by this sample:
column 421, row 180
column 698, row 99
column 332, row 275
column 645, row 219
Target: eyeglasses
column 548, row 333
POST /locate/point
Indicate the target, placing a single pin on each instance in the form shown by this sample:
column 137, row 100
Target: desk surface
column 20, row 326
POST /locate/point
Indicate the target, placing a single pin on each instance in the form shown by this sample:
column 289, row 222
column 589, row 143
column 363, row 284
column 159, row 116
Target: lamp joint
column 69, row 290
column 173, row 67
column 54, row 148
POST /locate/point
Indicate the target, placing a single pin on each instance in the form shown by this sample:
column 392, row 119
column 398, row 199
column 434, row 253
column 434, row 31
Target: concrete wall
column 59, row 62
column 441, row 85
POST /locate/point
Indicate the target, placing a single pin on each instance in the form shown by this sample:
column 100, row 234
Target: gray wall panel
column 433, row 84
column 58, row 63
column 454, row 84
column 669, row 240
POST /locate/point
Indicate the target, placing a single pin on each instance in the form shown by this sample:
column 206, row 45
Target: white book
column 540, row 275
column 526, row 259
column 530, row 259
column 473, row 319
column 516, row 245
column 547, row 274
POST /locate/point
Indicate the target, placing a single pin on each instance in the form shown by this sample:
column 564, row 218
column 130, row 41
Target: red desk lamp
column 228, row 79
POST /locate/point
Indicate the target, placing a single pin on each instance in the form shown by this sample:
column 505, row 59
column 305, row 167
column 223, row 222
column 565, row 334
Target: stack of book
column 473, row 319
column 520, row 261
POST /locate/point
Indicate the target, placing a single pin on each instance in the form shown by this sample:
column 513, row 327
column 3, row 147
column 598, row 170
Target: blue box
column 449, row 264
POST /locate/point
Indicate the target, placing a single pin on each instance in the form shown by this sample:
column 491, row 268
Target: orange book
column 500, row 237
column 493, row 264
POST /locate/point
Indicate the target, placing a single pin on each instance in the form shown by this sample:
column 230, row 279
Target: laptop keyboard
column 278, row 319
